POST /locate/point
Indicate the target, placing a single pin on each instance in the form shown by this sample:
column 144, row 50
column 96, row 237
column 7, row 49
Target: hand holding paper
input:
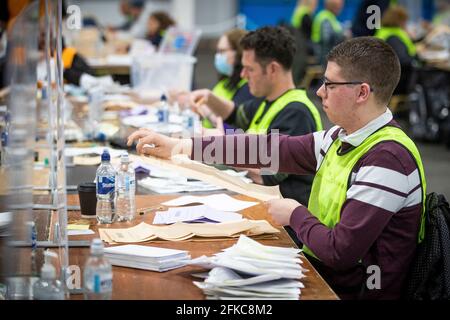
column 194, row 214
column 163, row 146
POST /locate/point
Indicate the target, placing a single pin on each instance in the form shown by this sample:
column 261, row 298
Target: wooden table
column 177, row 284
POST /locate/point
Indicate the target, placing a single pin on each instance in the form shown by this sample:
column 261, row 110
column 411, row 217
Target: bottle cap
column 48, row 271
column 97, row 246
column 163, row 97
column 124, row 158
column 105, row 155
column 101, row 137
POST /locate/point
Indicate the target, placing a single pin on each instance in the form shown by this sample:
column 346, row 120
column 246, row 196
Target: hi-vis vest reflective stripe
column 67, row 56
column 386, row 32
column 293, row 95
column 317, row 24
column 222, row 91
column 330, row 185
column 299, row 13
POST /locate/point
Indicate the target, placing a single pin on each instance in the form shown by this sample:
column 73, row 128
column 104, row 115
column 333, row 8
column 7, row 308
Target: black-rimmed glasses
column 326, row 83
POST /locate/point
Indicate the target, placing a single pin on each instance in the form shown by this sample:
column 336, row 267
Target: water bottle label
column 190, row 122
column 105, row 184
column 102, row 283
column 163, row 115
column 127, row 183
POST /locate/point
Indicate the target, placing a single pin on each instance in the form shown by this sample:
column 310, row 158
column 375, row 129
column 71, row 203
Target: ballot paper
column 176, row 185
column 236, row 274
column 201, row 213
column 180, row 231
column 216, row 201
column 250, row 257
column 155, row 171
column 146, row 257
column 79, row 232
column 165, row 181
column 199, row 171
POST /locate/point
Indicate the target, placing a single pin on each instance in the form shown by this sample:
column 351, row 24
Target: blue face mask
column 221, row 64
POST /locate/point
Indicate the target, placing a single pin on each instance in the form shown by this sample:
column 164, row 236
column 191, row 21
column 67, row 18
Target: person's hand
column 255, row 175
column 179, row 96
column 218, row 131
column 204, row 112
column 158, row 145
column 281, row 210
column 198, row 101
column 199, row 97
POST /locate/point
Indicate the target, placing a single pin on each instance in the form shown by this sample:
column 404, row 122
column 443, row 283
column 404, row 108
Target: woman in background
column 157, row 24
column 230, row 86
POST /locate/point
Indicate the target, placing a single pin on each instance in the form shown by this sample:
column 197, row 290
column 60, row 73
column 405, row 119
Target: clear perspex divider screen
column 162, row 72
column 34, row 196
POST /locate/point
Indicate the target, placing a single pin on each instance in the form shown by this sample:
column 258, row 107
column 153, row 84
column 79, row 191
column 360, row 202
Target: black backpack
column 429, row 277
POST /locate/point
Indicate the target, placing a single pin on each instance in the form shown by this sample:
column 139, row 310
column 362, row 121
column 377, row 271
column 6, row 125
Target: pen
column 143, row 211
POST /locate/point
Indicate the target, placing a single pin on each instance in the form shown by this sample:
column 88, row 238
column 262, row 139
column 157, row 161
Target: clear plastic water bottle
column 125, row 190
column 97, row 276
column 191, row 121
column 163, row 110
column 105, row 182
column 48, row 287
column 188, row 119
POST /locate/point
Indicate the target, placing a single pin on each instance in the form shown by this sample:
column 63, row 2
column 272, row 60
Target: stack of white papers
column 194, row 214
column 250, row 270
column 147, row 258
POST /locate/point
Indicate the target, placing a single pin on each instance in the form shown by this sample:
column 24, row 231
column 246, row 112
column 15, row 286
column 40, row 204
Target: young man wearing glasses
column 365, row 214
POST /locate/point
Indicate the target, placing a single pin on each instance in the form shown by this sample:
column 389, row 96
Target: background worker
column 303, row 16
column 393, row 31
column 131, row 10
column 326, row 29
column 267, row 59
column 228, row 64
column 157, row 25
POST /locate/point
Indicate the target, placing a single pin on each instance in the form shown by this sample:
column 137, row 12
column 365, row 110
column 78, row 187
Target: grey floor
column 436, row 157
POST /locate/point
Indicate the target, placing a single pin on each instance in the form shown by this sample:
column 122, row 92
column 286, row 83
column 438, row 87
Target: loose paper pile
column 183, row 231
column 167, row 181
column 180, row 184
column 194, row 214
column 147, row 258
column 78, row 230
column 250, row 270
column 196, row 170
column 216, row 201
